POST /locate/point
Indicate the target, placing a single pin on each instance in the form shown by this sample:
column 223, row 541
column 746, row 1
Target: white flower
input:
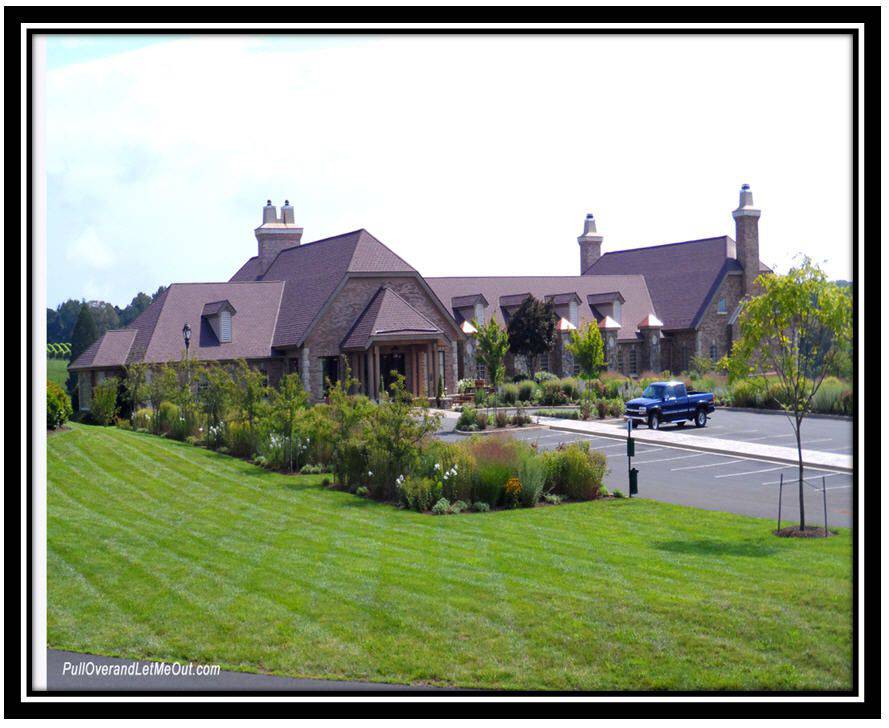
column 437, row 466
column 370, row 473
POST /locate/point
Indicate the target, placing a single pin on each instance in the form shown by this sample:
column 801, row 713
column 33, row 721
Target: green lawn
column 57, row 371
column 158, row 549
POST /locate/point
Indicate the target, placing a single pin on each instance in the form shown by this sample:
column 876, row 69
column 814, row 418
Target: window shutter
column 225, row 326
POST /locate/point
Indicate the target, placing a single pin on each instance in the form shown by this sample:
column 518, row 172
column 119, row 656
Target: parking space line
column 663, row 460
column 706, row 465
column 752, row 472
column 768, row 437
column 823, row 475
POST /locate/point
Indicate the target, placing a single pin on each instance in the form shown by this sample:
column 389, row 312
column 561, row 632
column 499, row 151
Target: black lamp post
column 186, row 336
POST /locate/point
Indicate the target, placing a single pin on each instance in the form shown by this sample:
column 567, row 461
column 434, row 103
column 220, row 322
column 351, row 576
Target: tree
column 794, row 330
column 162, row 386
column 397, row 431
column 103, row 406
column 82, row 337
column 250, row 391
column 136, row 383
column 349, row 417
column 492, row 344
column 287, row 401
column 214, row 397
column 588, row 351
column 532, row 330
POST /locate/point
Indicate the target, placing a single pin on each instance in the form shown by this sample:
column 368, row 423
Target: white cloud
column 87, row 249
column 464, row 154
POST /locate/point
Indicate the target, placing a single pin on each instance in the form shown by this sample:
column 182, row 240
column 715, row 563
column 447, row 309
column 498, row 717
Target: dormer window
column 721, row 307
column 219, row 315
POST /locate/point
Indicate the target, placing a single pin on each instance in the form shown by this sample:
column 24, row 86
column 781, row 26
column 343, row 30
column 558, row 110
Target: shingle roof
column 110, row 350
column 632, row 287
column 211, row 309
column 560, row 299
column 469, row 300
column 681, row 277
column 313, row 271
column 387, row 314
column 514, row 299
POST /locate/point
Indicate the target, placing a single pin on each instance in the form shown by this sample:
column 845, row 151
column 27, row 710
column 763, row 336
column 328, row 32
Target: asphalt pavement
column 725, row 482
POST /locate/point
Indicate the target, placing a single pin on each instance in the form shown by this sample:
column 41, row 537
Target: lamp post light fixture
column 186, row 336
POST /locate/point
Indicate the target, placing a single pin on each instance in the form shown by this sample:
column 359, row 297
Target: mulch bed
column 810, row 532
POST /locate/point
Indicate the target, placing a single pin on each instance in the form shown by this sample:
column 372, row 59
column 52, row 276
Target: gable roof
column 680, row 276
column 211, row 309
column 109, row 350
column 312, row 273
column 387, row 314
column 156, row 335
column 495, row 288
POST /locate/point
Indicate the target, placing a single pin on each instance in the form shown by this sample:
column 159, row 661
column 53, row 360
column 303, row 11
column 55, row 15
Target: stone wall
column 714, row 326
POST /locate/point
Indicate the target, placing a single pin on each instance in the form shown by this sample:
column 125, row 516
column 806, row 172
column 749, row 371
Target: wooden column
column 434, row 348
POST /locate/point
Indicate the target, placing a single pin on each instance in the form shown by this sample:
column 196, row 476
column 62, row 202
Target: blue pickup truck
column 669, row 402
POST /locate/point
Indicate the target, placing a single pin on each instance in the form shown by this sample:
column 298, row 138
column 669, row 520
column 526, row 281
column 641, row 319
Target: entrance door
column 388, row 364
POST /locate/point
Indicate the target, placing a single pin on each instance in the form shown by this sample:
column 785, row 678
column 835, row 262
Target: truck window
column 679, row 390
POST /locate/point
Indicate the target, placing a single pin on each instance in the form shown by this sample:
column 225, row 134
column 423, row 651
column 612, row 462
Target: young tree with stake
column 794, row 331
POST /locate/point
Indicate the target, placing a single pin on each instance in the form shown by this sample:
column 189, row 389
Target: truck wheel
column 701, row 418
column 654, row 421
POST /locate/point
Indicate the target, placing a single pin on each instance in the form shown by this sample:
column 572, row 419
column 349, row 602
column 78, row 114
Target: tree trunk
column 802, row 506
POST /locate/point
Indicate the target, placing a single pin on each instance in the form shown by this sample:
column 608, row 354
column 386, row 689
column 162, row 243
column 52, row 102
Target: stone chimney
column 590, row 244
column 747, row 238
column 276, row 234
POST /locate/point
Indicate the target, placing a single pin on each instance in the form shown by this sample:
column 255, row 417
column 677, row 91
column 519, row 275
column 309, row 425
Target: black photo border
column 687, row 21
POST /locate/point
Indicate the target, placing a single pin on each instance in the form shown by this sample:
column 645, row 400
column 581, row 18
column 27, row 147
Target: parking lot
column 721, row 482
column 825, row 434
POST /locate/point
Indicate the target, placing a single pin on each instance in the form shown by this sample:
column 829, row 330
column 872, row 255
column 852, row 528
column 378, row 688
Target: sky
column 472, row 155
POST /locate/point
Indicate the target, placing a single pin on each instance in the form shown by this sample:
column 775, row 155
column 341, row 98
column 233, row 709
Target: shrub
column 613, row 384
column 458, row 506
column 602, row 408
column 481, row 420
column 746, row 393
column 544, row 376
column 58, row 406
column 575, row 471
column 167, row 414
column 563, row 414
column 586, row 409
column 616, row 407
column 512, row 492
column 481, row 507
column 103, row 407
column 570, row 388
column 441, row 507
column 240, row 439
column 272, row 448
column 467, row 419
column 551, row 393
column 509, row 393
column 501, row 419
column 452, row 464
column 532, row 476
column 123, row 424
column 527, row 390
column 480, row 397
column 617, row 493
column 464, row 385
column 552, row 498
column 361, row 491
column 497, row 459
column 418, row 493
column 520, row 418
column 830, row 397
column 142, row 418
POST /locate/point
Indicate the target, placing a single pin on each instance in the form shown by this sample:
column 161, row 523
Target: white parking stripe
column 663, row 460
column 706, row 465
column 823, row 475
column 752, row 472
column 768, row 437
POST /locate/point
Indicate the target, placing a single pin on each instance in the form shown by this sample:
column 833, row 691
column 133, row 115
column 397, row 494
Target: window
column 721, row 307
column 616, row 311
column 481, row 371
column 714, row 352
column 225, row 326
column 634, row 369
column 330, row 371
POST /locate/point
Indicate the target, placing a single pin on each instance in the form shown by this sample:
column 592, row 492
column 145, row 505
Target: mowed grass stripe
column 264, row 572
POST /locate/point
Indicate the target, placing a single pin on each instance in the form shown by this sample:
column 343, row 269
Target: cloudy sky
column 466, row 155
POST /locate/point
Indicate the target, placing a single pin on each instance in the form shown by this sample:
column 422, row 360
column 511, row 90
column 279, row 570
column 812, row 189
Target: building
column 314, row 307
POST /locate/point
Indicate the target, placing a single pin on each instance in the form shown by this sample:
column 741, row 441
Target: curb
column 496, row 431
column 789, row 459
column 813, row 415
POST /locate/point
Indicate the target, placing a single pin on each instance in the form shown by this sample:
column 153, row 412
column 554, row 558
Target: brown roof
column 211, row 309
column 681, row 277
column 312, row 273
column 109, row 350
column 387, row 315
column 632, row 287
